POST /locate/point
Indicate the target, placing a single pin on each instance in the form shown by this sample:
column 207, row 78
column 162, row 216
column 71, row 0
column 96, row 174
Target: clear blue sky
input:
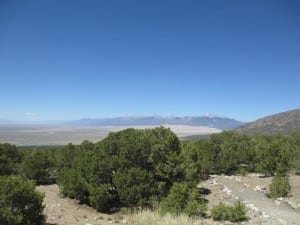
column 73, row 59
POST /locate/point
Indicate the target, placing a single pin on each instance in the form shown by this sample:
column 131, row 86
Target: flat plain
column 25, row 135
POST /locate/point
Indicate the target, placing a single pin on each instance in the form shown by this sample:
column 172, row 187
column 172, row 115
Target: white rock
column 227, row 190
column 293, row 204
column 264, row 215
column 260, row 188
column 282, row 221
column 238, row 179
column 252, row 207
column 246, row 185
column 213, row 182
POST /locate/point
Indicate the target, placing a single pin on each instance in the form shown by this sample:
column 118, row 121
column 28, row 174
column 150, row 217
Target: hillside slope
column 281, row 123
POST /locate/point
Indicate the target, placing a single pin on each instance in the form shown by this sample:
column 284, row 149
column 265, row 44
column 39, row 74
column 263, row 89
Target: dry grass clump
column 148, row 217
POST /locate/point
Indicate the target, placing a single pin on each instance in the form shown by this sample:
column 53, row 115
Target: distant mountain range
column 281, row 123
column 190, row 127
column 208, row 121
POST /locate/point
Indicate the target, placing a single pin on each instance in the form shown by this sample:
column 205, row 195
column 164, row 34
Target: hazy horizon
column 5, row 121
column 209, row 115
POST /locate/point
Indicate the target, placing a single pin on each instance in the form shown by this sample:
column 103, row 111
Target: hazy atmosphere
column 97, row 59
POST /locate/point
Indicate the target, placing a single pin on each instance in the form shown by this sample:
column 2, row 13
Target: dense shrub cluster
column 138, row 167
column 38, row 166
column 234, row 213
column 10, row 157
column 43, row 165
column 20, row 204
column 231, row 153
column 130, row 167
column 152, row 167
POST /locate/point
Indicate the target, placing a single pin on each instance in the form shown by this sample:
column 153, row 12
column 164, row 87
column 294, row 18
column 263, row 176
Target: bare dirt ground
column 251, row 190
column 65, row 211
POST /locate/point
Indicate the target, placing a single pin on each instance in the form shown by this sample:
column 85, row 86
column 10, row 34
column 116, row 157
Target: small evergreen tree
column 237, row 212
column 20, row 203
column 182, row 200
column 219, row 212
column 176, row 200
column 195, row 206
column 279, row 187
column 134, row 186
column 37, row 166
column 10, row 157
column 102, row 197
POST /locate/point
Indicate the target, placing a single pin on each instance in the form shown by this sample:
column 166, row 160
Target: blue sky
column 75, row 59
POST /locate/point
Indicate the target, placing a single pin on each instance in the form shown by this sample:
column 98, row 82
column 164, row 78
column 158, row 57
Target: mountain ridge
column 209, row 121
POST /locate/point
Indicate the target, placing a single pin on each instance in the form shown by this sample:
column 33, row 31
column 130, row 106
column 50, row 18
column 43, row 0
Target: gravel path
column 262, row 210
column 273, row 211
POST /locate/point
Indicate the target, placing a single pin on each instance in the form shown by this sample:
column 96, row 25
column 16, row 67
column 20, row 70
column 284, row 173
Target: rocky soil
column 250, row 189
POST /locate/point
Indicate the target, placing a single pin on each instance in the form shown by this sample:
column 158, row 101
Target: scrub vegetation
column 147, row 169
